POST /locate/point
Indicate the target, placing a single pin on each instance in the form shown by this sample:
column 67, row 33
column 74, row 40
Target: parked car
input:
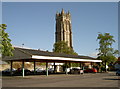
column 117, row 66
column 118, row 72
column 76, row 71
column 68, row 70
column 51, row 70
column 92, row 70
column 39, row 70
column 8, row 71
column 19, row 71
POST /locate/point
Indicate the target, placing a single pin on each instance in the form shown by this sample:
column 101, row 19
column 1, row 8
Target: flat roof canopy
column 64, row 59
column 38, row 55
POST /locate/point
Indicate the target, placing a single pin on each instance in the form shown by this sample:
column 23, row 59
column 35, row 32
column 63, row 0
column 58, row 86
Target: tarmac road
column 61, row 80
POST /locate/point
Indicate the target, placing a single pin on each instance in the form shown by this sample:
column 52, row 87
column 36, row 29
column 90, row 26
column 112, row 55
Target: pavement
column 61, row 80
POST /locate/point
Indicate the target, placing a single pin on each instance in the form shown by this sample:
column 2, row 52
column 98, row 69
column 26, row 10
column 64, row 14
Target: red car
column 93, row 70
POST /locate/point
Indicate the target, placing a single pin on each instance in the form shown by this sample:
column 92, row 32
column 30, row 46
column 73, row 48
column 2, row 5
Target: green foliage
column 61, row 47
column 106, row 52
column 108, row 58
column 5, row 45
column 75, row 64
column 68, row 65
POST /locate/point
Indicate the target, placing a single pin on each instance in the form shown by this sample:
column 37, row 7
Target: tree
column 106, row 52
column 5, row 45
column 61, row 47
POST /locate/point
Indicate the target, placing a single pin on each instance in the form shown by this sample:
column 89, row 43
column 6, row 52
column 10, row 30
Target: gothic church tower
column 63, row 28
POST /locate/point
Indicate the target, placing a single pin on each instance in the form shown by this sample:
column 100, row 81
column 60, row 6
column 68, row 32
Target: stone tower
column 63, row 28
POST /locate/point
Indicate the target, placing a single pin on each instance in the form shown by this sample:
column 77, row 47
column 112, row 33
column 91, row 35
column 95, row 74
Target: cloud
column 94, row 54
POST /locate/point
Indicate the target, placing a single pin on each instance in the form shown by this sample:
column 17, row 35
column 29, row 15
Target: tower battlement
column 62, row 14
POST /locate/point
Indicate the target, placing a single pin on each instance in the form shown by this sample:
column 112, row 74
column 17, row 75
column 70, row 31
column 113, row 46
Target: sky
column 33, row 23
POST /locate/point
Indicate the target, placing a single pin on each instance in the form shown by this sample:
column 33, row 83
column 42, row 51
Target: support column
column 66, row 68
column 70, row 64
column 34, row 67
column 83, row 65
column 80, row 65
column 46, row 68
column 91, row 64
column 23, row 72
column 11, row 62
column 105, row 66
column 54, row 67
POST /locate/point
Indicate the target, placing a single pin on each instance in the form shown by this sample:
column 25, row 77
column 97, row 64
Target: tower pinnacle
column 62, row 11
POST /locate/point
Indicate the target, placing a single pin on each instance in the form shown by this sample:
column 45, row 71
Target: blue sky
column 34, row 23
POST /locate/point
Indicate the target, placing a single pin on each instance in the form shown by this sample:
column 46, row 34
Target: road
column 61, row 80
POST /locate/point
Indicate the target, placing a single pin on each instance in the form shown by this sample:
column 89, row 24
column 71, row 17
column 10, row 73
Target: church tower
column 63, row 28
